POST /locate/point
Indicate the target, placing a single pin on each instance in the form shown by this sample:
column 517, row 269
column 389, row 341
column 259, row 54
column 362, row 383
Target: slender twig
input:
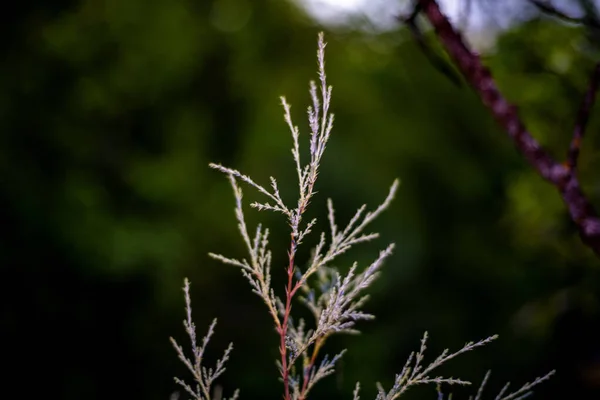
column 436, row 61
column 548, row 8
column 583, row 117
column 289, row 294
column 309, row 367
column 479, row 77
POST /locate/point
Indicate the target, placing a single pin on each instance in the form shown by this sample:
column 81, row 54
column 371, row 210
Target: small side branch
column 436, row 61
column 547, row 8
column 583, row 117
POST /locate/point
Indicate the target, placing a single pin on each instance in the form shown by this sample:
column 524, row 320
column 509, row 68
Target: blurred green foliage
column 111, row 111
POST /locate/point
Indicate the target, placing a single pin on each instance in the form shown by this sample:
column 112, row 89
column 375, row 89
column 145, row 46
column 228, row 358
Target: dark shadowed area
column 111, row 111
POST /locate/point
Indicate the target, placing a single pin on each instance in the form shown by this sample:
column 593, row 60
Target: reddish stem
column 289, row 294
column 307, row 368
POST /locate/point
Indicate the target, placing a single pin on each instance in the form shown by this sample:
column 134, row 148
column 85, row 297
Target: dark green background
column 110, row 112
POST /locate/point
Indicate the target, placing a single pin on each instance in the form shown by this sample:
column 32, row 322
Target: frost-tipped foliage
column 203, row 376
column 335, row 301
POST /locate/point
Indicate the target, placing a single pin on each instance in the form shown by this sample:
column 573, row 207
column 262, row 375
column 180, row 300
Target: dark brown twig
column 547, row 8
column 560, row 175
column 436, row 61
column 583, row 117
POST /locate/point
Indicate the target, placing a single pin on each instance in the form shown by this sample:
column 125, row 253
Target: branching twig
column 559, row 174
column 415, row 372
column 203, row 376
column 339, row 306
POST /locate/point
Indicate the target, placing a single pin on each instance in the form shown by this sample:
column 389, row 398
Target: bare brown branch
column 561, row 175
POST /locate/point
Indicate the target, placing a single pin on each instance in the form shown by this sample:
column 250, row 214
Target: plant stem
column 289, row 294
column 308, row 367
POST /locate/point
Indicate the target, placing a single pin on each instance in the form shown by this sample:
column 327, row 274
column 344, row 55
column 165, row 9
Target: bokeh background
column 111, row 110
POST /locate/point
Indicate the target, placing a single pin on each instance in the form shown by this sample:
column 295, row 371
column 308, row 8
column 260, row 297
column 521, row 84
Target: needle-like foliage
column 523, row 392
column 335, row 300
column 203, row 376
column 338, row 307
